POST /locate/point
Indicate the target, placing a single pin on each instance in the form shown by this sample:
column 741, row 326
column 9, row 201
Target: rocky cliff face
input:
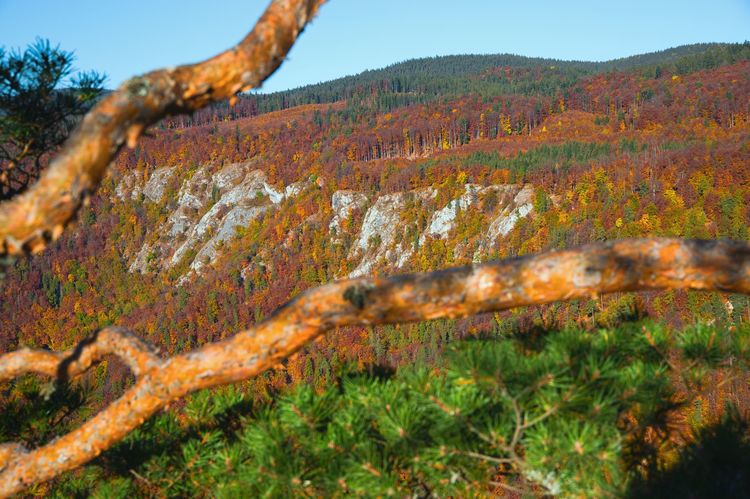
column 390, row 234
column 343, row 204
column 508, row 215
column 232, row 208
column 381, row 237
column 208, row 209
column 212, row 204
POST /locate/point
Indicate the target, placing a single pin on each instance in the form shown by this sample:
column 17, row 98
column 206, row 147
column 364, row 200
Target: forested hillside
column 430, row 79
column 214, row 221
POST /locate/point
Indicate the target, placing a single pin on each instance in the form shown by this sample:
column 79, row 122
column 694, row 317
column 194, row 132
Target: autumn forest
column 214, row 220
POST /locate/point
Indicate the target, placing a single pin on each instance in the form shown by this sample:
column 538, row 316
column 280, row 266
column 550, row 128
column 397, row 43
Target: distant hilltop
column 419, row 81
column 683, row 58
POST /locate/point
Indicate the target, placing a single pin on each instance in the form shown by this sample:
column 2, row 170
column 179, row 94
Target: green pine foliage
column 543, row 413
column 41, row 100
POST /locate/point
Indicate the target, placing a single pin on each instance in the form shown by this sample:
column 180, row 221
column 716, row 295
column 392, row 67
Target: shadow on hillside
column 717, row 464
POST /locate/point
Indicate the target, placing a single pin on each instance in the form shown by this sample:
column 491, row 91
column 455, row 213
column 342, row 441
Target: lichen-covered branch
column 29, row 221
column 113, row 340
column 627, row 265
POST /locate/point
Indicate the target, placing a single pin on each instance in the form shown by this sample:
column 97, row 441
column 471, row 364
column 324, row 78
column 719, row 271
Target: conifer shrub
column 563, row 413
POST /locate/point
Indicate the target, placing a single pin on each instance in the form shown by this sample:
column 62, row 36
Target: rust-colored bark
column 627, row 265
column 29, row 221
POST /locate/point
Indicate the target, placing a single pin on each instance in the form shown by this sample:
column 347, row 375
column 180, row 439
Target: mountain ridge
column 207, row 227
column 428, row 79
column 515, row 60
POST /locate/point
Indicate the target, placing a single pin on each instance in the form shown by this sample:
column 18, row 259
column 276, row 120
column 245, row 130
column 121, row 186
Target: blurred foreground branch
column 627, row 265
column 30, row 220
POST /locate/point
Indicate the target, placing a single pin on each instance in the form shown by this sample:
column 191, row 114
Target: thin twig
column 491, row 459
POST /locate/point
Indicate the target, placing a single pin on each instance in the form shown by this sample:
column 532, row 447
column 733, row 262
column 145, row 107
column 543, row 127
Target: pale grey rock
column 275, row 196
column 520, row 207
column 129, row 186
column 503, row 224
column 210, row 207
column 229, row 176
column 179, row 222
column 195, row 191
column 235, row 218
column 157, row 183
column 385, row 238
column 230, row 198
column 236, row 207
column 403, row 254
column 342, row 205
column 140, row 262
column 252, row 190
column 295, row 189
column 442, row 220
column 379, row 229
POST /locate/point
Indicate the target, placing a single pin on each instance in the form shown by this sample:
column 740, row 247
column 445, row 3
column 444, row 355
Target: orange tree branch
column 29, row 221
column 627, row 265
column 112, row 340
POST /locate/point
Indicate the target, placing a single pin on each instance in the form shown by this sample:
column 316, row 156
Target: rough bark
column 29, row 221
column 626, row 265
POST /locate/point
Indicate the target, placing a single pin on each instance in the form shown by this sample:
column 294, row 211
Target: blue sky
column 128, row 37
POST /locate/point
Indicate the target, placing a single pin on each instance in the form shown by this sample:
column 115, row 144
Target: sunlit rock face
column 157, row 183
column 387, row 235
column 382, row 223
column 443, row 220
column 391, row 232
column 507, row 218
column 208, row 209
column 239, row 203
column 129, row 187
column 343, row 203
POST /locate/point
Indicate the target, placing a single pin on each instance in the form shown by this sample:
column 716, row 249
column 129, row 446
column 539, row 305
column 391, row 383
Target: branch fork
column 30, row 221
column 627, row 265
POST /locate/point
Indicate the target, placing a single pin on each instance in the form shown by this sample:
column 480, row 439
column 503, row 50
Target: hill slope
column 427, row 79
column 211, row 223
